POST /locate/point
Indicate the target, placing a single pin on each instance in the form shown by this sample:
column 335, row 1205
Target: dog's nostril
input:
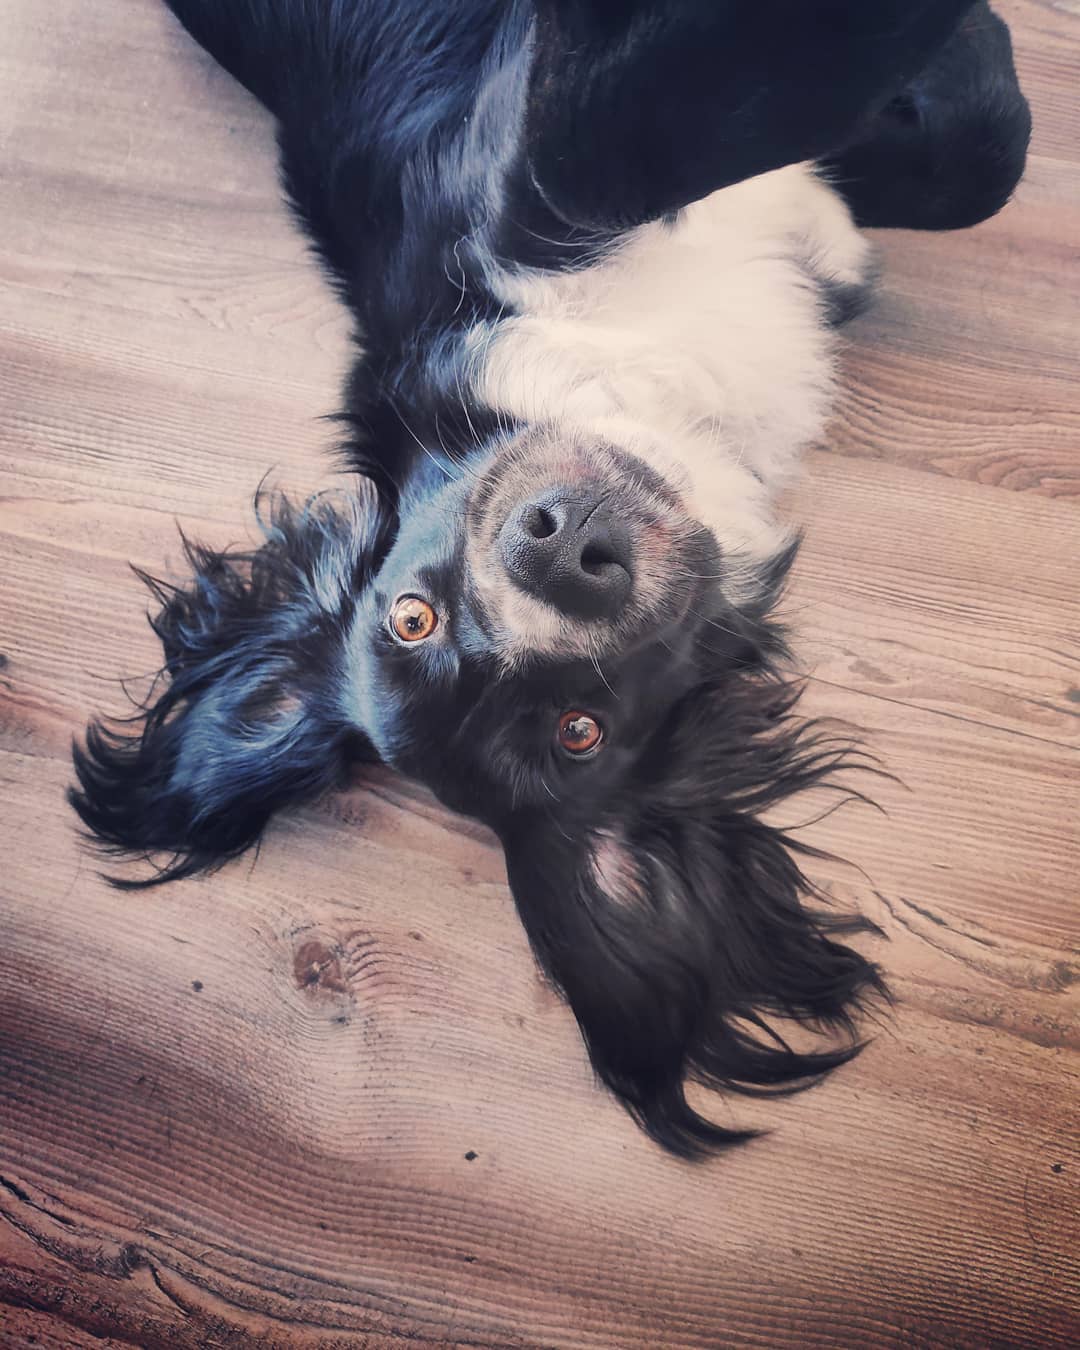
column 569, row 549
column 540, row 524
column 595, row 557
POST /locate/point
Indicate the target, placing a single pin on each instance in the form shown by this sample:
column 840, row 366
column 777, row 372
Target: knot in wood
column 317, row 967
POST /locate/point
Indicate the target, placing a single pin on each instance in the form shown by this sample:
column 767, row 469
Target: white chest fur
column 701, row 346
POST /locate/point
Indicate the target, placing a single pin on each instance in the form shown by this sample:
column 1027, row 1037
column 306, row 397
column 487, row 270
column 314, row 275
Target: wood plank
column 317, row 1057
column 930, row 591
column 1047, row 47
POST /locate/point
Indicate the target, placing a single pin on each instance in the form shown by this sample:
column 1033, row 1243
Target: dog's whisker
column 401, row 418
column 461, row 465
column 713, row 623
column 599, row 671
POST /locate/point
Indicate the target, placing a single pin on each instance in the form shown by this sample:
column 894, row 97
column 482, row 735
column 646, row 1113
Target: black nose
column 570, row 550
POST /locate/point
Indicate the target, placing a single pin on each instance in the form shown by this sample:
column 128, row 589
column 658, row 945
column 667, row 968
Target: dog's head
column 549, row 642
column 534, row 624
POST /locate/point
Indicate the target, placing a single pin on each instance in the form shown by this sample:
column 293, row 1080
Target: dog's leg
column 841, row 259
column 641, row 107
column 948, row 151
column 799, row 202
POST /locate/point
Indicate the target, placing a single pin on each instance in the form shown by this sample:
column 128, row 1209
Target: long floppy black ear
column 948, row 151
column 246, row 715
column 681, row 929
column 637, row 109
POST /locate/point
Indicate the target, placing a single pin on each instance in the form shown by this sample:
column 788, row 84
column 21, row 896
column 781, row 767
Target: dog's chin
column 675, row 558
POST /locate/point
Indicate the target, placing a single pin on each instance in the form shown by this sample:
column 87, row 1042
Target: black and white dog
column 595, row 255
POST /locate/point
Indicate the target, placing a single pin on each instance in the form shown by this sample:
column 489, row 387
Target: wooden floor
column 324, row 1099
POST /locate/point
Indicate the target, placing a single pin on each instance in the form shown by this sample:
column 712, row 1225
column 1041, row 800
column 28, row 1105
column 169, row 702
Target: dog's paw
column 843, row 262
column 836, row 249
column 845, row 297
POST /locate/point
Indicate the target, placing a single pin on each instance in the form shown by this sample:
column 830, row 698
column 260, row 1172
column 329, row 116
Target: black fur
column 422, row 145
column 948, row 150
column 695, row 929
column 738, row 87
column 672, row 953
column 245, row 717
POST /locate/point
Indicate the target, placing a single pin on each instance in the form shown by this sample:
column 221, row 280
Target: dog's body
column 595, row 279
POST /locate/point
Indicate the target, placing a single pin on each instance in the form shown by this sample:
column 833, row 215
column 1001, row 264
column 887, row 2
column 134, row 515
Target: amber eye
column 579, row 734
column 413, row 619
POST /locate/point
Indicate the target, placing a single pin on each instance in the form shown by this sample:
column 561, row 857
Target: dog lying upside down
column 596, row 253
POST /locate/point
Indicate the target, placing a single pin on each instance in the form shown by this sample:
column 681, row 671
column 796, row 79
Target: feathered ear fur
column 677, row 928
column 244, row 717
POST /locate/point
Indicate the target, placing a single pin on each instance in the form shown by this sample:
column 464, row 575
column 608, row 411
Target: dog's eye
column 579, row 733
column 413, row 619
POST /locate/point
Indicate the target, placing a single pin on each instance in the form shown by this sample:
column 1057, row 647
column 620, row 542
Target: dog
column 596, row 253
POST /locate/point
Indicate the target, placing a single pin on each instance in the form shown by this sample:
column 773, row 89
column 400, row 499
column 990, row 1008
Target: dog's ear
column 246, row 715
column 680, row 927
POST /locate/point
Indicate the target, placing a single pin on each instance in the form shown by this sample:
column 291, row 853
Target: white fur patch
column 615, row 871
column 699, row 346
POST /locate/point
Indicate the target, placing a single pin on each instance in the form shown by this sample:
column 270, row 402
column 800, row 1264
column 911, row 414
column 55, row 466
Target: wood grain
column 323, row 1099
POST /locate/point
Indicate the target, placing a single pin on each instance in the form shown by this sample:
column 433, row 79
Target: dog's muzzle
column 575, row 547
